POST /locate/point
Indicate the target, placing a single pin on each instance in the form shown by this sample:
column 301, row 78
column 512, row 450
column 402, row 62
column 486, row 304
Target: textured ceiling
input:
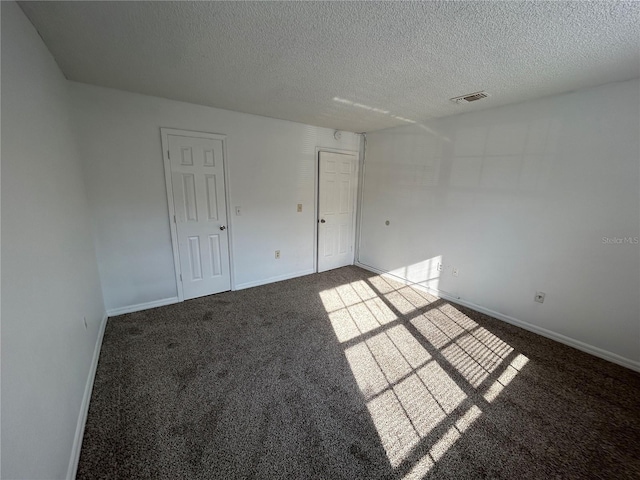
column 345, row 65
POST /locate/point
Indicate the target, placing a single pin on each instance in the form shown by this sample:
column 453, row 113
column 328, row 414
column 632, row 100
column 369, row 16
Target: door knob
column 322, row 221
column 223, row 227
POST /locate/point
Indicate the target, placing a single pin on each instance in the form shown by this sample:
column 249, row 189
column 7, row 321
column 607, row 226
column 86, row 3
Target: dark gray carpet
column 346, row 375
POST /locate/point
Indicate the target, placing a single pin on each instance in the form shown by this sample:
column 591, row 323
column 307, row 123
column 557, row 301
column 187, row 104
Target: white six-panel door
column 197, row 185
column 336, row 195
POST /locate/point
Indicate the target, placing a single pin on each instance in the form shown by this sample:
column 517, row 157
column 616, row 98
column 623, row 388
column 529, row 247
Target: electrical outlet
column 299, row 207
column 539, row 297
column 238, row 211
column 440, row 267
column 277, row 254
column 454, row 271
column 85, row 323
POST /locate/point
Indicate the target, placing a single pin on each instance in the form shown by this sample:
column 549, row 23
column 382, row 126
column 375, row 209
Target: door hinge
column 174, row 219
column 180, row 277
column 168, row 154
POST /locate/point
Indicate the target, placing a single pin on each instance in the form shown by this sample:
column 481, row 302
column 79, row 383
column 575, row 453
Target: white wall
column 49, row 270
column 271, row 167
column 519, row 198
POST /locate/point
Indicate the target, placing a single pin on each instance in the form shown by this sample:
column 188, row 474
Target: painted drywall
column 50, row 277
column 271, row 169
column 538, row 196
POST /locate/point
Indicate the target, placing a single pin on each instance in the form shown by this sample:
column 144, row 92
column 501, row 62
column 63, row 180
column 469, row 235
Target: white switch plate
column 454, row 271
column 277, row 254
column 299, row 207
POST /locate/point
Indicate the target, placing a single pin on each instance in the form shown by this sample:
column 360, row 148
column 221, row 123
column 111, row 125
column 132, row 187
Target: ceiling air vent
column 470, row 97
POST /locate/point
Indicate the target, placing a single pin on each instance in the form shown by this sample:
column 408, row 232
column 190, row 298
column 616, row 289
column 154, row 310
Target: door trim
column 361, row 173
column 316, row 200
column 165, row 132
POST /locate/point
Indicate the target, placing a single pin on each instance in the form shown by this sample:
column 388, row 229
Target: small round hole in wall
column 387, row 223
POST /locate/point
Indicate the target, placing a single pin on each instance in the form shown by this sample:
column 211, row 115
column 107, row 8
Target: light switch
column 299, row 207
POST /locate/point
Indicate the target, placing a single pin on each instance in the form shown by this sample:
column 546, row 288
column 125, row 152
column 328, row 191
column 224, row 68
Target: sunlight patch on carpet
column 416, row 373
column 506, row 377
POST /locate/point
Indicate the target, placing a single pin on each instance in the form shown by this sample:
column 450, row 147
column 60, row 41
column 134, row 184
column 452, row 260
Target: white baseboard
column 558, row 337
column 84, row 406
column 142, row 306
column 279, row 278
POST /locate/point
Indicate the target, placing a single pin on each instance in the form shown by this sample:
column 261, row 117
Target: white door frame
column 361, row 173
column 165, row 132
column 356, row 154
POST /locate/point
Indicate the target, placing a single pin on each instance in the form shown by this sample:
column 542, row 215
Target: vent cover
column 470, row 97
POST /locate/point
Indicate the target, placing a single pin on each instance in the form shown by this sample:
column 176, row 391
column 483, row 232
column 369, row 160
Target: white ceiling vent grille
column 470, row 97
